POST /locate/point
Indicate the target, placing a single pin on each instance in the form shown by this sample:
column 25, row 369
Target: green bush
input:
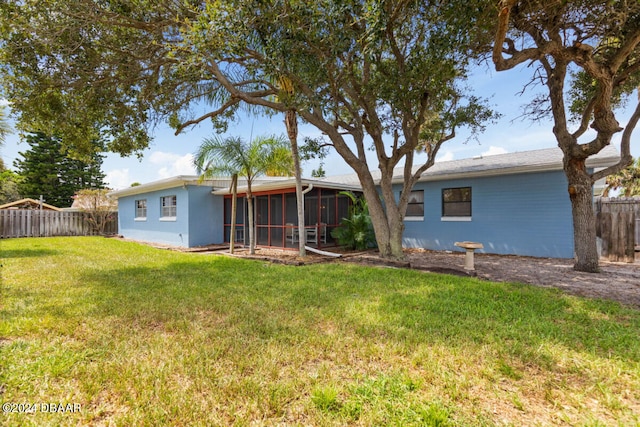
column 356, row 232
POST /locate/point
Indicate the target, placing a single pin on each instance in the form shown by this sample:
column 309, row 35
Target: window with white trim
column 415, row 207
column 456, row 202
column 141, row 209
column 168, row 206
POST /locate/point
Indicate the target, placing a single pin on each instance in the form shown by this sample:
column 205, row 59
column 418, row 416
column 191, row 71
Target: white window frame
column 168, row 208
column 140, row 210
column 415, row 217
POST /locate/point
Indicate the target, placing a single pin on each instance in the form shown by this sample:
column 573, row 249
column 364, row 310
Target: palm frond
column 232, row 155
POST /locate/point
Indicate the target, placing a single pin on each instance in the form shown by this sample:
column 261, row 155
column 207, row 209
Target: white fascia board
column 289, row 183
column 162, row 184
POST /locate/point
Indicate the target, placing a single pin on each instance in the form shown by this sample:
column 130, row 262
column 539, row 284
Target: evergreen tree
column 48, row 170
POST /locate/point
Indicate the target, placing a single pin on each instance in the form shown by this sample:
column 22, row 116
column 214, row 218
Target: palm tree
column 628, row 180
column 5, row 128
column 232, row 155
column 287, row 92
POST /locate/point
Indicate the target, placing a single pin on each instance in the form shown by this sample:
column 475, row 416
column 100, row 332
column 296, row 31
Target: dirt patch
column 616, row 281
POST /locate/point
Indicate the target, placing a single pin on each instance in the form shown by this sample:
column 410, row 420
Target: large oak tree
column 386, row 76
column 588, row 56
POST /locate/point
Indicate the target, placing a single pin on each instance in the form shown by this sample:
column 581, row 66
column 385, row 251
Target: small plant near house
column 98, row 206
column 356, row 231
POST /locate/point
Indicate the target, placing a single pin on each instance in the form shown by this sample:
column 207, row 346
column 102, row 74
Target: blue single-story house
column 184, row 211
column 176, row 211
column 514, row 203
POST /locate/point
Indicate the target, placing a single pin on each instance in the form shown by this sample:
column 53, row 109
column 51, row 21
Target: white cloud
column 4, row 102
column 172, row 164
column 531, row 138
column 493, row 150
column 445, row 157
column 118, row 178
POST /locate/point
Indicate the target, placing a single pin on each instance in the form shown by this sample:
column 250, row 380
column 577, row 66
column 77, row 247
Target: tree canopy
column 9, row 182
column 382, row 75
column 5, row 128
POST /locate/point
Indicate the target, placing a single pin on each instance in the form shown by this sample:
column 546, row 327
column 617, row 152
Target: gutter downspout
column 317, row 251
column 309, row 188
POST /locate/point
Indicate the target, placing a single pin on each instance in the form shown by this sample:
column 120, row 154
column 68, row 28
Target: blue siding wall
column 152, row 229
column 523, row 214
column 206, row 216
column 198, row 218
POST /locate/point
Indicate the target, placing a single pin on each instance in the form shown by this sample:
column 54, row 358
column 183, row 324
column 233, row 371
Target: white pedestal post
column 470, row 248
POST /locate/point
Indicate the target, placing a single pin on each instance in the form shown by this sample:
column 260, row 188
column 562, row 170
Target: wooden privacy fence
column 618, row 227
column 36, row 223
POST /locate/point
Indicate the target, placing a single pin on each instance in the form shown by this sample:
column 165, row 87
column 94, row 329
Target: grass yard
column 127, row 335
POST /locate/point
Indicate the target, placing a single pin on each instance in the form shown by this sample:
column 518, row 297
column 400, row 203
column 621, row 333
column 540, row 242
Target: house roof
column 547, row 159
column 291, row 182
column 180, row 180
column 29, row 204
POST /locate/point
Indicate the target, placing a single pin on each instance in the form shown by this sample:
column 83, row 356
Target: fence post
column 36, row 223
column 630, row 250
column 618, row 225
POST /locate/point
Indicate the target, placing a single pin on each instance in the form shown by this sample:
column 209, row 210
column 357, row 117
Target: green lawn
column 142, row 336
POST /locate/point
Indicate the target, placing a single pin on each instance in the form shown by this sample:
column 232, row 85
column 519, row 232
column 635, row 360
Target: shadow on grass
column 265, row 301
column 26, row 253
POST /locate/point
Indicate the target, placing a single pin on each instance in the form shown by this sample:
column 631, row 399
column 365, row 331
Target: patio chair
column 323, row 232
column 291, row 233
column 311, row 235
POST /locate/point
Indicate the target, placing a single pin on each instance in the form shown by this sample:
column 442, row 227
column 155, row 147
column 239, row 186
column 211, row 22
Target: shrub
column 356, row 231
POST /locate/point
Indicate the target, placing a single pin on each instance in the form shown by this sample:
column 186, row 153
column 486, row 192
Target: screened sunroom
column 276, row 214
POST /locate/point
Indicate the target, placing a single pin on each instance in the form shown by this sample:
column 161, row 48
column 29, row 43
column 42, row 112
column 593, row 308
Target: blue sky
column 171, row 155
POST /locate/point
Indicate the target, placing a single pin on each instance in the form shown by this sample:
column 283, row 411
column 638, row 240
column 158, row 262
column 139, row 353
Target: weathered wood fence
column 36, row 223
column 618, row 225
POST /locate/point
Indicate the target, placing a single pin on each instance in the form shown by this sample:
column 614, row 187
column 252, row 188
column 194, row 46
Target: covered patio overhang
column 276, row 214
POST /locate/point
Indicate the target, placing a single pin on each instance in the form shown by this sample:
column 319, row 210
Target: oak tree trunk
column 387, row 225
column 584, row 224
column 396, row 231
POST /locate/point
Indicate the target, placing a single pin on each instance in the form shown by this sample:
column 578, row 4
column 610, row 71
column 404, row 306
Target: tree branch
column 625, row 149
column 230, row 103
column 625, row 73
column 517, row 57
column 623, row 53
column 586, row 119
column 255, row 98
